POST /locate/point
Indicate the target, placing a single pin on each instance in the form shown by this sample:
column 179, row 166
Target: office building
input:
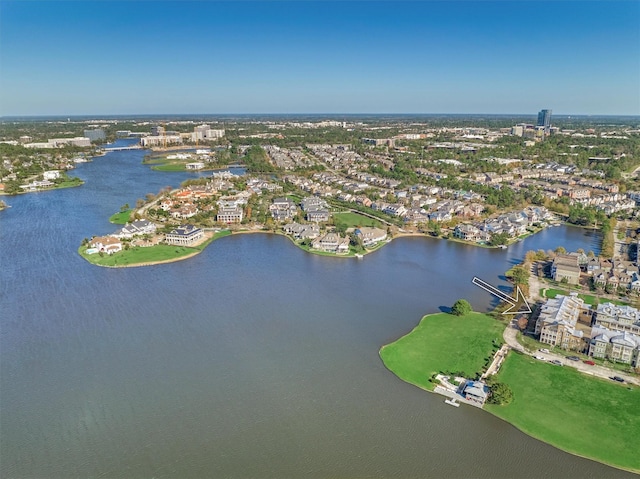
column 544, row 120
column 95, row 135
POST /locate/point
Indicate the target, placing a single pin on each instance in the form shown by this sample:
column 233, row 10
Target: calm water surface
column 252, row 359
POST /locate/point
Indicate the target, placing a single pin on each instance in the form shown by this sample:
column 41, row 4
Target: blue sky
column 104, row 57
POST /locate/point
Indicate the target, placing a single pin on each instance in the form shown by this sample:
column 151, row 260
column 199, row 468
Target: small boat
column 452, row 402
column 359, row 256
column 502, row 246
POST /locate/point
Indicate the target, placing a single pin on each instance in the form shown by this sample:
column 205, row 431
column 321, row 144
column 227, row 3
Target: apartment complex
column 557, row 322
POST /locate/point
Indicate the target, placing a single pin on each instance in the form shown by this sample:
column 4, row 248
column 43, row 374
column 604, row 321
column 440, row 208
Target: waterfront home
column 475, row 392
column 185, row 235
column 106, row 244
column 299, row 231
column 371, row 236
column 331, row 242
column 565, row 267
column 466, row 232
column 36, row 185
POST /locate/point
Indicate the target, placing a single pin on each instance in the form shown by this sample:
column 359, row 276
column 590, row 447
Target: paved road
column 509, row 336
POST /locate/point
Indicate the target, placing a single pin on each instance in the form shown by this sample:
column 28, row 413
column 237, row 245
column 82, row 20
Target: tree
column 461, row 307
column 520, row 275
column 498, row 239
column 530, row 257
column 523, row 323
column 501, row 394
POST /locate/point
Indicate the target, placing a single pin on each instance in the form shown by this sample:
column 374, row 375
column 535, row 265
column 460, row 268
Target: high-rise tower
column 544, row 119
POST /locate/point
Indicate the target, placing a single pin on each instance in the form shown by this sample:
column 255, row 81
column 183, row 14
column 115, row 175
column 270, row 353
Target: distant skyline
column 333, row 57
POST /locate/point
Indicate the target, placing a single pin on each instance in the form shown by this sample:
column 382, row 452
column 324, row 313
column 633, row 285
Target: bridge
column 120, row 148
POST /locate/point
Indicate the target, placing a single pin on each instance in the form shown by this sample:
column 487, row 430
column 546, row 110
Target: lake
column 252, row 359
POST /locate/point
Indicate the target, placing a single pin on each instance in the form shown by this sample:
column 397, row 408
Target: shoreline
column 488, row 410
column 361, row 254
column 3, row 193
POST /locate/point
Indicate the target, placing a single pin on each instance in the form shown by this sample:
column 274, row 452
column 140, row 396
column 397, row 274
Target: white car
column 543, row 350
column 538, row 357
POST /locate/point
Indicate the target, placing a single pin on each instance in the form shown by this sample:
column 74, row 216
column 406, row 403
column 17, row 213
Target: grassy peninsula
column 148, row 255
column 122, row 217
column 444, row 343
column 586, row 416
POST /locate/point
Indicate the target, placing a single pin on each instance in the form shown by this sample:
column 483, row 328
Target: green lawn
column 70, row 182
column 137, row 255
column 170, row 167
column 121, row 218
column 588, row 298
column 352, row 220
column 443, row 343
column 591, row 417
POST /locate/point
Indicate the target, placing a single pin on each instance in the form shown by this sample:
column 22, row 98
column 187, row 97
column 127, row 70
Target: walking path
column 497, row 361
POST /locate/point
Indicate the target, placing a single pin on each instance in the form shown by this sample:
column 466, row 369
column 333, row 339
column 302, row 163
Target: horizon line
column 109, row 115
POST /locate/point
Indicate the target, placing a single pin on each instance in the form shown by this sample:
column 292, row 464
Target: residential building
column 318, row 216
column 196, row 165
column 51, row 175
column 282, row 209
column 565, row 266
column 160, row 140
column 371, row 236
column 36, row 185
column 157, row 130
column 556, row 323
column 136, row 228
column 617, row 318
column 229, row 214
column 476, row 392
column 77, row 141
column 204, row 133
column 467, row 232
column 106, row 244
column 302, row 232
column 331, row 242
column 313, row 203
column 622, row 347
column 185, row 235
